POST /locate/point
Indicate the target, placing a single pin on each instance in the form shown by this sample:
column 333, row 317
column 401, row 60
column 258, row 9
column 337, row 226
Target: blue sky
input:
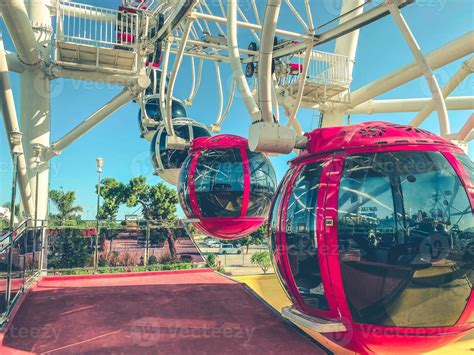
column 381, row 50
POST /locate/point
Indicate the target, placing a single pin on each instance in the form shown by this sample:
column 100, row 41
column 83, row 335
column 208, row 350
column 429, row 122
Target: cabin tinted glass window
column 219, row 183
column 406, row 232
column 301, row 242
column 184, row 187
column 262, row 184
column 468, row 165
column 200, row 132
column 274, row 221
column 173, row 158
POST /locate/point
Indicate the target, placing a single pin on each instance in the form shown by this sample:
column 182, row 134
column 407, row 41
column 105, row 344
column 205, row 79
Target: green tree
column 64, row 202
column 158, row 204
column 256, row 238
column 262, row 259
column 113, row 193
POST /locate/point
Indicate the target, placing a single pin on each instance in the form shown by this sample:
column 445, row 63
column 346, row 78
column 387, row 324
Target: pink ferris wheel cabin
column 226, row 186
column 372, row 230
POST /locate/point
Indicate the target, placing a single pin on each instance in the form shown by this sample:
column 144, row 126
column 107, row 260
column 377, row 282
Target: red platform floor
column 181, row 312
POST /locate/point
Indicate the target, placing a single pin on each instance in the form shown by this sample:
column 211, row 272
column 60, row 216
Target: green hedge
column 125, row 269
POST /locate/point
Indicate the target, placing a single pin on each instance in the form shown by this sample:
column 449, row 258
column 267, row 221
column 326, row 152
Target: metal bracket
column 317, row 324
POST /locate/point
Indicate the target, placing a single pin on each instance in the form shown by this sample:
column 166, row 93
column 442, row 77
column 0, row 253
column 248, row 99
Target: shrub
column 166, row 258
column 262, row 259
column 220, row 268
column 152, row 260
column 127, row 259
column 211, row 260
column 109, row 259
column 69, row 249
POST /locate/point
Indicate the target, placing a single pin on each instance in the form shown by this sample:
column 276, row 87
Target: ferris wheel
column 226, row 184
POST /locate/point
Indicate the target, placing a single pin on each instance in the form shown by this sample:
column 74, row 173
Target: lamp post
column 100, row 164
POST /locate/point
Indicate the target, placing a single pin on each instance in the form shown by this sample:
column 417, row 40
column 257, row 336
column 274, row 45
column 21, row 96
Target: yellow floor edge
column 268, row 287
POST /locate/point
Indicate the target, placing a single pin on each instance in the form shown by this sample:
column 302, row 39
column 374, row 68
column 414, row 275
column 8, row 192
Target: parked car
column 213, row 243
column 229, row 249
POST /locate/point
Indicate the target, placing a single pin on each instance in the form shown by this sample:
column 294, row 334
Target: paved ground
column 190, row 312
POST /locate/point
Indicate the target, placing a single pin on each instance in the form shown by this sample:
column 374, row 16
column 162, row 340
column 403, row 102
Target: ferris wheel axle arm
column 175, row 18
column 297, row 15
column 164, row 74
column 409, row 105
column 301, row 84
column 234, row 55
column 251, row 26
column 450, row 52
column 97, row 117
column 453, row 83
column 14, row 64
column 12, row 129
column 438, row 98
column 196, row 83
column 467, row 130
column 19, row 26
column 173, row 76
column 220, row 92
column 272, row 12
column 338, row 31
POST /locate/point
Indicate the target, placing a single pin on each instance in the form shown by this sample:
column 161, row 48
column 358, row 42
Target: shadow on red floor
column 194, row 311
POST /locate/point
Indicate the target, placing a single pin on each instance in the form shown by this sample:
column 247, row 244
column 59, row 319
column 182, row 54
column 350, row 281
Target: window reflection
column 183, row 188
column 468, row 165
column 302, row 247
column 173, row 158
column 262, row 184
column 219, row 183
column 406, row 232
column 273, row 221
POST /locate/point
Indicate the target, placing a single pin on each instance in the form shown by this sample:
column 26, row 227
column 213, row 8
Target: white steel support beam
column 35, row 100
column 14, row 63
column 168, row 117
column 438, row 98
column 10, row 119
column 272, row 12
column 301, row 85
column 466, row 130
column 164, row 74
column 181, row 10
column 347, row 46
column 466, row 69
column 410, row 105
column 251, row 26
column 333, row 33
column 97, row 117
column 234, row 54
column 450, row 52
column 19, row 26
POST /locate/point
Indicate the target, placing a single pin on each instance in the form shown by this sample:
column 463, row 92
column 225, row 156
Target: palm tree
column 64, row 202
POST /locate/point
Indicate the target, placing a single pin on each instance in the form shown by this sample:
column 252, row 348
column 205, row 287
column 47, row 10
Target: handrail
column 15, row 230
